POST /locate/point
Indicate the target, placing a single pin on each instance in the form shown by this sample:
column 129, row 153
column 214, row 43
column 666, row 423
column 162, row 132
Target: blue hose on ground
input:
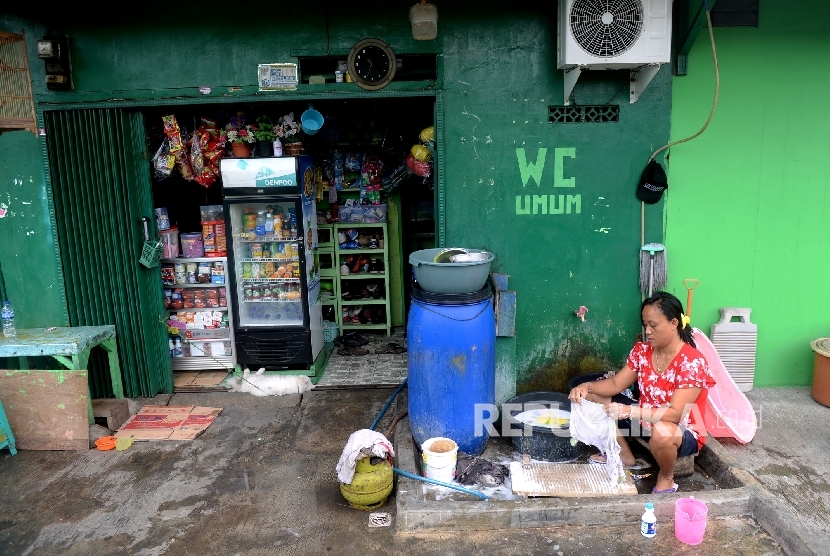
column 388, row 403
column 440, row 483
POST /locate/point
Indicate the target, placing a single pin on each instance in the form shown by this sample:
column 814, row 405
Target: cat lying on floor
column 260, row 384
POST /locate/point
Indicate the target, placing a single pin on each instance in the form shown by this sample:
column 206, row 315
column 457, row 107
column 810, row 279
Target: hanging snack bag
column 163, row 161
column 352, row 162
column 422, row 169
column 196, row 160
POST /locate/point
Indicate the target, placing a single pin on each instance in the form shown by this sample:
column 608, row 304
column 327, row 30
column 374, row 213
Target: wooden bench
column 684, row 467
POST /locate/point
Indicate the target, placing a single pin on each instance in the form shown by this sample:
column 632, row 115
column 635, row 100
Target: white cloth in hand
column 591, row 425
column 362, row 444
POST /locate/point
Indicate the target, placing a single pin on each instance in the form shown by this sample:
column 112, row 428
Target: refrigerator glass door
column 266, row 258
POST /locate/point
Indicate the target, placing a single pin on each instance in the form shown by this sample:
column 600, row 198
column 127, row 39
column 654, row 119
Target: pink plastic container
column 690, row 520
column 192, row 245
column 729, row 412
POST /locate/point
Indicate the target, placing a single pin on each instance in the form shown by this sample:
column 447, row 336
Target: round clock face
column 372, row 64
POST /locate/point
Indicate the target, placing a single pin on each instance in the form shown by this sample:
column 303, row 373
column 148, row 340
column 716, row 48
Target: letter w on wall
column 529, row 169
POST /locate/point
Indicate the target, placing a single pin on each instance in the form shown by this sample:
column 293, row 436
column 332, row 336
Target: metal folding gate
column 101, row 187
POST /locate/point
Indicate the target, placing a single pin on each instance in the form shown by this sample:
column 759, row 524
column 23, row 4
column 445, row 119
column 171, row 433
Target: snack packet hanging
column 163, row 161
column 196, row 160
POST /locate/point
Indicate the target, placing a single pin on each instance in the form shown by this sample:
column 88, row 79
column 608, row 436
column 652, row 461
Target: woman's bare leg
column 665, row 441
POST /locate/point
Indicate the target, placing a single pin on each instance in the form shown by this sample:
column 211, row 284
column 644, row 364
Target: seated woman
column 673, row 378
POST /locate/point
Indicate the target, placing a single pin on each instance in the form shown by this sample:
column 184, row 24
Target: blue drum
column 451, row 346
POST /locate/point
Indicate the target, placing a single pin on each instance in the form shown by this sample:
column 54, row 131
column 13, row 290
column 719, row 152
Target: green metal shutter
column 101, row 187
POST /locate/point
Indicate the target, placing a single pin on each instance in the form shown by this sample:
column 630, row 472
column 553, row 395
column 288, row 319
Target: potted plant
column 288, row 132
column 264, row 135
column 240, row 135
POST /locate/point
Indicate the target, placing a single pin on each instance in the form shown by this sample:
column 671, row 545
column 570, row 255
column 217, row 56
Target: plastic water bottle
column 177, row 348
column 648, row 525
column 8, row 320
column 260, row 223
column 269, row 224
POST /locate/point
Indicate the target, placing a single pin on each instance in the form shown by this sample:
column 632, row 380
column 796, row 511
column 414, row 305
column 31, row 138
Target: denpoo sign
column 557, row 203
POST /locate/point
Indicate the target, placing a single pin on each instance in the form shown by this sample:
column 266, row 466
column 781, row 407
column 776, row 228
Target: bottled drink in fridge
column 260, row 223
column 269, row 224
column 8, row 320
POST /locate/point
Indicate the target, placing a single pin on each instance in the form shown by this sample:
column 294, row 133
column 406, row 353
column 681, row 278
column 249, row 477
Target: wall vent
column 17, row 108
column 604, row 113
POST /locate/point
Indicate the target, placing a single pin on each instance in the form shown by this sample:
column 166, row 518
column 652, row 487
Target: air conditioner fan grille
column 606, row 28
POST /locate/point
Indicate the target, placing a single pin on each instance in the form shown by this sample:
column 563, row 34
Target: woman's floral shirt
column 688, row 369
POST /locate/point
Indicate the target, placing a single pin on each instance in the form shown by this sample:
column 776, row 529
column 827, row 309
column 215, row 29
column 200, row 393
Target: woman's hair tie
column 684, row 320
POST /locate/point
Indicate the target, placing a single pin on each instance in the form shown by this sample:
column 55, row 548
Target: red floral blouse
column 688, row 369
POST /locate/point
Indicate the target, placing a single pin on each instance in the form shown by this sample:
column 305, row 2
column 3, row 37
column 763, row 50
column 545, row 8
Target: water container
column 735, row 342
column 690, row 520
column 424, row 19
column 451, row 345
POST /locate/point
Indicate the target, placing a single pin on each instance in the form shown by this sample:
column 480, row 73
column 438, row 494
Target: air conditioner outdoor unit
column 614, row 34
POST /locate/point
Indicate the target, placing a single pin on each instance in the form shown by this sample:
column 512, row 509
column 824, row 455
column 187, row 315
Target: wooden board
column 47, row 410
column 566, row 480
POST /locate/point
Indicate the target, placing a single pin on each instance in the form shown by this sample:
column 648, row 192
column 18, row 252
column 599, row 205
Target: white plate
column 530, row 417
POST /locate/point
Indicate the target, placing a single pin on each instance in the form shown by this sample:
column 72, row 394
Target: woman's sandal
column 352, row 351
column 671, row 490
column 391, row 348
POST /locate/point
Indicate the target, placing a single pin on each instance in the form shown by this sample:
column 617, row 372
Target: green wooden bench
column 70, row 347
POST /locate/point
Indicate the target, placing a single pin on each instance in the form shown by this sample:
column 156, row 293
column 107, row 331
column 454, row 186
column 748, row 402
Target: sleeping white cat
column 260, row 384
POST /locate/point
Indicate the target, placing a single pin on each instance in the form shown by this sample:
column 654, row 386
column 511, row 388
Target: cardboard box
column 158, row 422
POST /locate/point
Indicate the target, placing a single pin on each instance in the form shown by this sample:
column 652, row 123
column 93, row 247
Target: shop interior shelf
column 185, row 286
column 347, row 326
column 362, row 276
column 195, row 260
column 271, row 260
column 357, row 302
column 269, row 280
column 198, row 362
column 361, row 251
column 275, row 239
column 198, row 309
column 341, row 255
column 272, row 301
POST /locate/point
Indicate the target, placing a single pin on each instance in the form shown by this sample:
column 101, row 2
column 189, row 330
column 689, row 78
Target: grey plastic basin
column 450, row 277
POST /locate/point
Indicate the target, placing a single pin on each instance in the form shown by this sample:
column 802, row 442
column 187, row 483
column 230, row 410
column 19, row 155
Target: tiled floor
column 368, row 370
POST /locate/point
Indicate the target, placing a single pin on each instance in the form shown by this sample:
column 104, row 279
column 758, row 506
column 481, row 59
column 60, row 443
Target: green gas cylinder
column 371, row 485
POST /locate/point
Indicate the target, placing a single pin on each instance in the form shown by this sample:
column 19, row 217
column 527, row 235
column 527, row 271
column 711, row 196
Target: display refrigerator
column 274, row 278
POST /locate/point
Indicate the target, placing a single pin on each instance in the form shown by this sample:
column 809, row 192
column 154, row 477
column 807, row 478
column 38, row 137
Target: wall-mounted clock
column 372, row 64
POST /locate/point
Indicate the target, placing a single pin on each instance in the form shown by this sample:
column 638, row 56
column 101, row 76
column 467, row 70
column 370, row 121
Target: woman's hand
column 618, row 411
column 579, row 393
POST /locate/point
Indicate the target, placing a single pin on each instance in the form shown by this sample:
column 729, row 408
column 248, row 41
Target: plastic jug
column 690, row 520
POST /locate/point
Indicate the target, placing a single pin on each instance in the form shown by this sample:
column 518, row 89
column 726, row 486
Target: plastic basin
column 542, row 443
column 449, row 277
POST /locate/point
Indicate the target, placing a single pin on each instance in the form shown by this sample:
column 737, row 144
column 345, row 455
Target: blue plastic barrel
column 451, row 346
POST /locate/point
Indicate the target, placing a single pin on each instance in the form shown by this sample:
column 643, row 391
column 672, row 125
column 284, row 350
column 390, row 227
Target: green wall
column 499, row 88
column 748, row 209
column 28, row 254
column 498, row 75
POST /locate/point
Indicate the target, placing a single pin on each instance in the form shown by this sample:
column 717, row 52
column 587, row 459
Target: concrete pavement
column 261, row 480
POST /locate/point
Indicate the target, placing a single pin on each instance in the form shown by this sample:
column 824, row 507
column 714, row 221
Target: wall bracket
column 639, row 80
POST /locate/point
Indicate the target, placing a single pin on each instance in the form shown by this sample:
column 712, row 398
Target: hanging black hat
column 653, row 183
